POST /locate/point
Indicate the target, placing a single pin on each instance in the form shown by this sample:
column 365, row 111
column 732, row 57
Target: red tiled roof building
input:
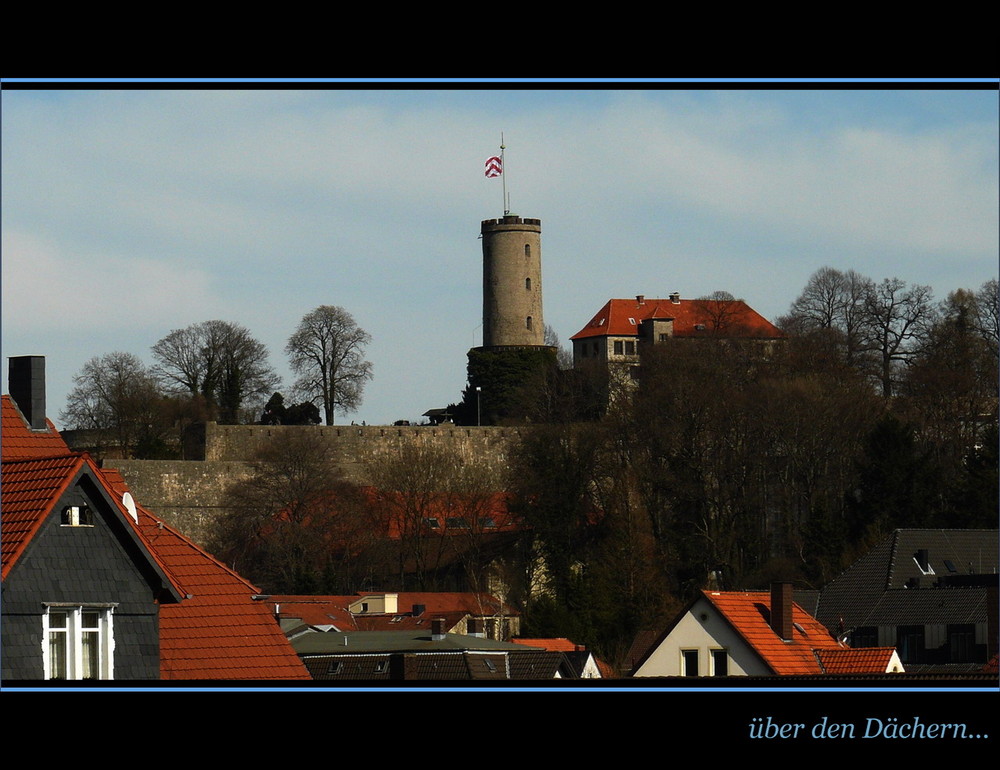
column 96, row 587
column 617, row 330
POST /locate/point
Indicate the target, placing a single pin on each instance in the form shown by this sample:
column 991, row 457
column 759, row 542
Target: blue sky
column 127, row 214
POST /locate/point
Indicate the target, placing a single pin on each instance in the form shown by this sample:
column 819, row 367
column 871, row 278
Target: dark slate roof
column 214, row 629
column 532, row 665
column 873, row 591
column 330, row 642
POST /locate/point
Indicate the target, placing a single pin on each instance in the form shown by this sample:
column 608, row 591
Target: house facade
column 733, row 633
column 95, row 587
column 619, row 331
column 931, row 593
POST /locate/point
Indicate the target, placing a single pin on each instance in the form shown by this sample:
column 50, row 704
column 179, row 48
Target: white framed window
column 78, row 641
column 689, row 663
column 77, row 516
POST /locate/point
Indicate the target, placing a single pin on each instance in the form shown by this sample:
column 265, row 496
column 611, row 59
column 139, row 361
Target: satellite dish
column 129, row 504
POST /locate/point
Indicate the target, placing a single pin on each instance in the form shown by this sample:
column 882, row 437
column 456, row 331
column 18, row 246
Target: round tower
column 512, row 282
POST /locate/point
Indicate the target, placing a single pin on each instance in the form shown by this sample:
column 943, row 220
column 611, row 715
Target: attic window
column 431, row 522
column 380, row 666
column 77, row 516
column 333, row 668
column 490, row 665
column 631, row 321
column 457, row 522
column 800, row 629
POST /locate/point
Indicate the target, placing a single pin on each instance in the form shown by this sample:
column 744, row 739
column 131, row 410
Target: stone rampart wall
column 188, row 494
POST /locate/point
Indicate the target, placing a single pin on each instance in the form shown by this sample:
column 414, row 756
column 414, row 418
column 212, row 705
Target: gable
column 701, row 628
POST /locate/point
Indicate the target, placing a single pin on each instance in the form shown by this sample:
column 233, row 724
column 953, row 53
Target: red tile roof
column 19, row 442
column 749, row 614
column 621, row 318
column 860, row 660
column 28, row 490
column 334, row 610
column 559, row 644
column 217, row 631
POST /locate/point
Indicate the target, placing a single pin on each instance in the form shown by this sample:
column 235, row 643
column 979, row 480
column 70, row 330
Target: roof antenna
column 129, row 504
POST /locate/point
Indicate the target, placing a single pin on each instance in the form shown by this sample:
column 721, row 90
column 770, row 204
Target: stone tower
column 512, row 282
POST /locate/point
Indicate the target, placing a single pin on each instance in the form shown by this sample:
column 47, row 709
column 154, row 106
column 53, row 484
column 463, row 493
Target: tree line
column 217, row 370
column 730, row 462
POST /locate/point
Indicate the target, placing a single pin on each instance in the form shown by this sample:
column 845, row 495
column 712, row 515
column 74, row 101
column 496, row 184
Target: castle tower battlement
column 512, row 282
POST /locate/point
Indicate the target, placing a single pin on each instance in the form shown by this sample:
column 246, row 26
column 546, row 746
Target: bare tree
column 832, row 302
column 327, row 352
column 219, row 361
column 116, row 396
column 440, row 509
column 896, row 318
column 294, row 525
column 988, row 314
column 564, row 357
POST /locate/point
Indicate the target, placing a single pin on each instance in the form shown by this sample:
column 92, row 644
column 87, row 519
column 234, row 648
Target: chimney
column 474, row 627
column 437, row 629
column 26, row 381
column 781, row 610
column 639, row 299
column 675, row 298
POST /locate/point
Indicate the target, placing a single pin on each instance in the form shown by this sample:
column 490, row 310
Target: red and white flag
column 494, row 167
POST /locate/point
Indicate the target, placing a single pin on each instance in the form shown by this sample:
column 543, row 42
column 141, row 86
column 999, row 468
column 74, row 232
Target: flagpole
column 503, row 177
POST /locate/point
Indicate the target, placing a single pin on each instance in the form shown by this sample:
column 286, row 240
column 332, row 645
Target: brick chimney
column 26, row 381
column 781, row 610
column 437, row 629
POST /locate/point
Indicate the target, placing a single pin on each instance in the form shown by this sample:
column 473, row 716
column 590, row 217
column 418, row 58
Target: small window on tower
column 527, row 249
column 528, row 323
column 527, row 284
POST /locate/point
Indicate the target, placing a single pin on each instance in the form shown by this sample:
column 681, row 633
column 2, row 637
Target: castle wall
column 188, row 494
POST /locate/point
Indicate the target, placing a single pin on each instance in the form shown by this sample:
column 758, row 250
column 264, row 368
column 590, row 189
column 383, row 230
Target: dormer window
column 77, row 516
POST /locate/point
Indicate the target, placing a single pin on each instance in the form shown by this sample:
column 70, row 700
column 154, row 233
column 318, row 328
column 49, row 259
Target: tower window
column 527, row 284
column 527, row 249
column 528, row 323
